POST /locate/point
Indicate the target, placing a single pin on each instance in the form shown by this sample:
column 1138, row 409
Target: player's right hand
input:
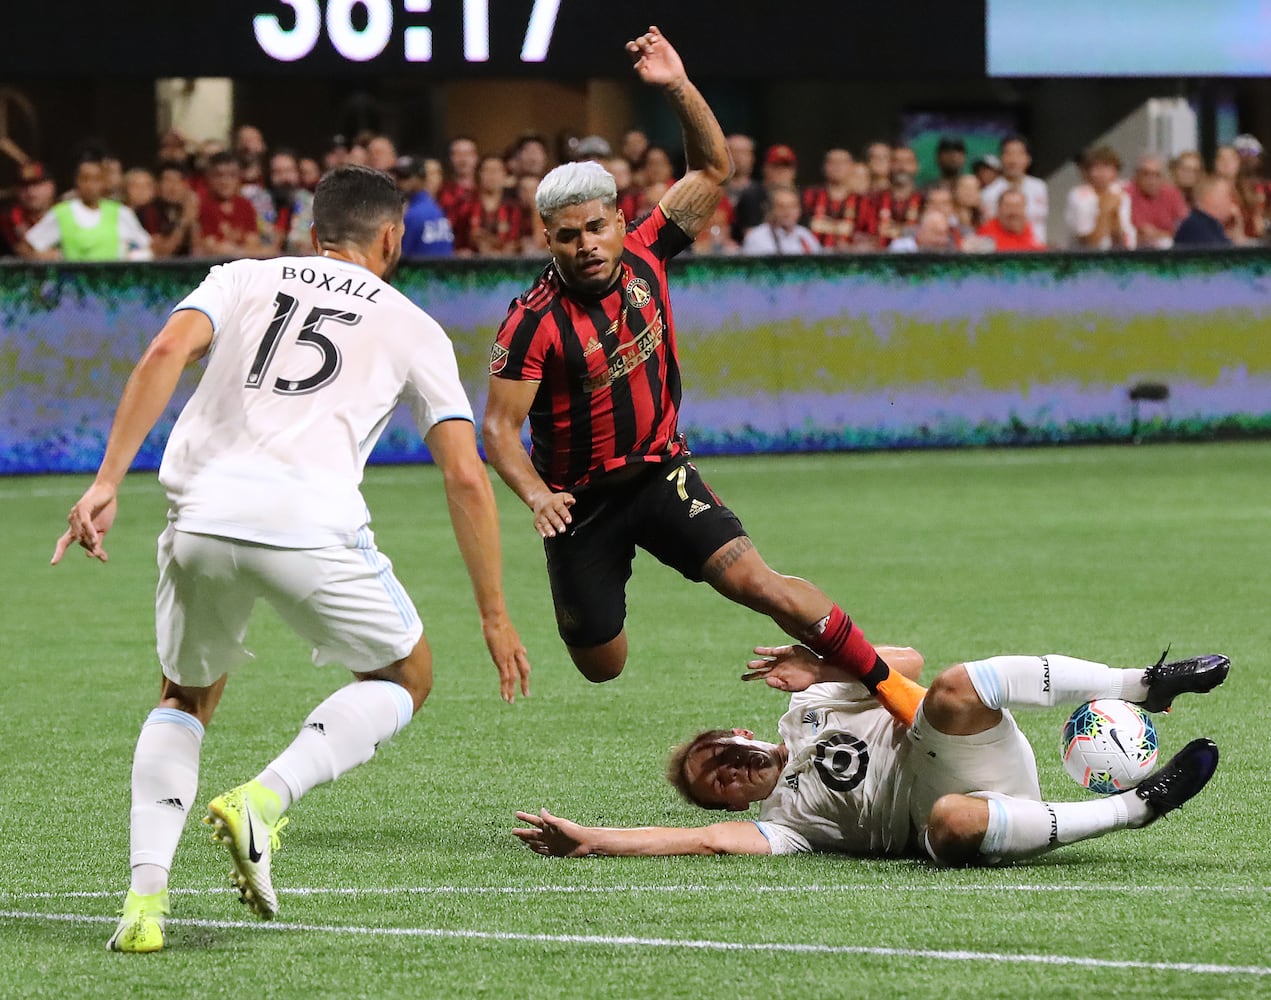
column 552, row 835
column 786, row 668
column 89, row 520
column 551, row 514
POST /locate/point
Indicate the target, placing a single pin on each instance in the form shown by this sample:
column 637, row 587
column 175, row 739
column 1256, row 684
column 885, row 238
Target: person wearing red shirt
column 886, row 214
column 36, row 192
column 228, row 226
column 830, row 209
column 461, row 186
column 491, row 224
column 588, row 354
column 1010, row 230
column 1156, row 205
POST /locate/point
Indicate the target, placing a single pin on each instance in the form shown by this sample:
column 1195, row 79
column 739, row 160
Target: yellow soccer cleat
column 140, row 928
column 238, row 819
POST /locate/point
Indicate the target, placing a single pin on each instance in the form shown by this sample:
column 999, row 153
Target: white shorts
column 344, row 601
column 997, row 760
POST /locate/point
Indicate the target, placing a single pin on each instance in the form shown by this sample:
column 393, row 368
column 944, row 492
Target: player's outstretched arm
column 185, row 338
column 562, row 838
column 691, row 201
column 475, row 519
column 507, row 406
column 797, row 668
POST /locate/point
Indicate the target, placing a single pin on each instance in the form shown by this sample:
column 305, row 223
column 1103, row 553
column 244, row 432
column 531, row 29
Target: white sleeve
column 45, row 234
column 435, row 390
column 989, row 198
column 1080, row 220
column 212, row 297
column 133, row 236
column 1127, row 226
column 783, row 839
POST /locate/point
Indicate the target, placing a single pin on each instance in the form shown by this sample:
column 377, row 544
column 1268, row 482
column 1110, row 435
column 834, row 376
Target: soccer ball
column 1108, row 745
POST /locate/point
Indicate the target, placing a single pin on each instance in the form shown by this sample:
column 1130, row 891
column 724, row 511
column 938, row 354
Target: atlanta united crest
column 498, row 358
column 638, row 293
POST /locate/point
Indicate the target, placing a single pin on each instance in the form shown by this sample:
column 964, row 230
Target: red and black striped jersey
column 497, row 231
column 832, row 220
column 607, row 368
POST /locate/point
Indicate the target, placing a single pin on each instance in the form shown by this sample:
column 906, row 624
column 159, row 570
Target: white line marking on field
column 531, row 890
column 687, row 944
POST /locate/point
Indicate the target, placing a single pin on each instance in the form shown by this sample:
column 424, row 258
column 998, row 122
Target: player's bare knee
column 955, row 829
column 594, row 668
column 952, row 694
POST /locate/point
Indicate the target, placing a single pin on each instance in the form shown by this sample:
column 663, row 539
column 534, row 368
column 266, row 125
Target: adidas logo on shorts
column 696, row 507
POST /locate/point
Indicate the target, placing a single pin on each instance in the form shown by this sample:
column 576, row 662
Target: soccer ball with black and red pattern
column 1109, row 745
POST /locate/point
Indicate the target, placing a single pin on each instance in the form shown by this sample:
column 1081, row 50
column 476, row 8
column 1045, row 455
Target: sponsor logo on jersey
column 638, row 293
column 498, row 358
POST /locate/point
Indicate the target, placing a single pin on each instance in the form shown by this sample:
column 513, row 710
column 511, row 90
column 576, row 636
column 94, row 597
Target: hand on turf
column 656, row 60
column 786, row 668
column 552, row 836
column 509, row 656
column 551, row 514
column 89, row 520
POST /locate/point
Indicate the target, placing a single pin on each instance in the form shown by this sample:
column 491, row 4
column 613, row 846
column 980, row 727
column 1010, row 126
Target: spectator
column 1204, row 226
column 113, row 178
column 1185, row 170
column 950, row 161
column 939, row 199
column 529, row 156
column 1011, row 230
column 716, row 236
column 592, row 147
column 35, row 195
column 628, row 193
column 878, row 159
column 966, row 203
column 434, row 177
column 830, row 209
column 310, row 173
column 635, row 144
column 1226, row 163
column 428, row 232
column 491, row 224
column 174, row 147
column 460, row 187
column 779, row 169
column 781, row 234
column 228, row 225
column 903, row 158
column 138, row 188
column 533, row 231
column 658, row 168
column 170, row 218
column 285, row 208
column 931, row 236
column 337, row 153
column 249, row 143
column 885, row 214
column 1098, row 212
column 1156, row 205
column 743, row 192
column 202, row 164
column 987, row 169
column 1014, row 164
column 381, row 153
column 89, row 226
column 858, row 178
column 650, row 196
column 1251, row 187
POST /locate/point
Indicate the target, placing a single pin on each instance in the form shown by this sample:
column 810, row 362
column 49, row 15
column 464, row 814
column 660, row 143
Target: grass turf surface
column 402, row 880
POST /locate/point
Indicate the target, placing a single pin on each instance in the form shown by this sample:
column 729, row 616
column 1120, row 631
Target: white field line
column 532, row 890
column 627, row 941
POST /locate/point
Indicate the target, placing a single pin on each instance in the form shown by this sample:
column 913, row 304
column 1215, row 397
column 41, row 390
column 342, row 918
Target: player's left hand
column 786, row 668
column 89, row 520
column 656, row 60
column 552, row 836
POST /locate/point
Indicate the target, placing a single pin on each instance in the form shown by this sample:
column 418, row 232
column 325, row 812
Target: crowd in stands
column 251, row 200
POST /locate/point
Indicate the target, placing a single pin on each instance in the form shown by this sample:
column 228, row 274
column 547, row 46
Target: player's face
column 586, row 243
column 734, row 772
column 90, row 183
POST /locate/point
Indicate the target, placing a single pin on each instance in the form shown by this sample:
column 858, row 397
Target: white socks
column 165, row 780
column 338, row 735
column 1001, row 681
column 1021, row 828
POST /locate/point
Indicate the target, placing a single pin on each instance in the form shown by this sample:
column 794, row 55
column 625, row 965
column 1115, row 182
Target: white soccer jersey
column 309, row 357
column 845, row 787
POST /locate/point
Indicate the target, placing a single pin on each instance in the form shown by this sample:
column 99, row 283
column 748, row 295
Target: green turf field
column 401, row 879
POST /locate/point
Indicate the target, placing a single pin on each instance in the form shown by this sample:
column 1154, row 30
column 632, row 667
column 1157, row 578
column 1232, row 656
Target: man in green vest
column 87, row 226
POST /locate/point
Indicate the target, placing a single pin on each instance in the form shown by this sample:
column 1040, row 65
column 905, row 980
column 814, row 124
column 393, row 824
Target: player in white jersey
column 957, row 783
column 306, row 360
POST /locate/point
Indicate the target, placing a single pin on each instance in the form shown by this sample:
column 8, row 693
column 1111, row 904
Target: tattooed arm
column 691, row 202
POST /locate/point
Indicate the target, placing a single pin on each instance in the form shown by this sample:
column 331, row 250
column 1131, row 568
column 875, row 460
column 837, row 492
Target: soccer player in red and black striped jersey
column 588, row 354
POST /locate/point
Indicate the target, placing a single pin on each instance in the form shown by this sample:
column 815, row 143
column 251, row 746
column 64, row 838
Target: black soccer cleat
column 1166, row 681
column 1180, row 780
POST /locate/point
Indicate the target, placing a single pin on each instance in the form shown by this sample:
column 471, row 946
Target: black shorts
column 667, row 510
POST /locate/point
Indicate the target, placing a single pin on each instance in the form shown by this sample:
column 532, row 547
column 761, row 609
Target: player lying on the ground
column 959, row 785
